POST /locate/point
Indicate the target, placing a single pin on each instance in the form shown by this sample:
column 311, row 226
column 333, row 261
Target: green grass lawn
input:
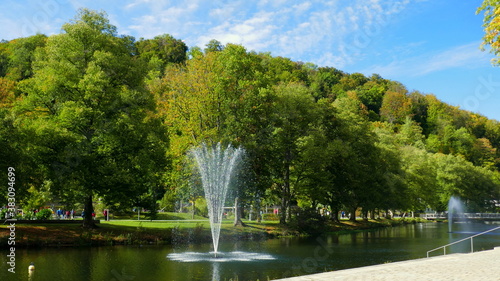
column 181, row 221
column 227, row 225
column 159, row 216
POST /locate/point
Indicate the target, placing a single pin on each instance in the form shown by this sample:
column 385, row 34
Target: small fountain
column 216, row 166
column 455, row 210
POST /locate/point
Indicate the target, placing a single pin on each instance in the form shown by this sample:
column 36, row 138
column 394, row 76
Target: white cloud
column 296, row 29
column 302, row 7
column 155, row 5
column 464, row 56
column 255, row 33
column 163, row 18
column 341, row 29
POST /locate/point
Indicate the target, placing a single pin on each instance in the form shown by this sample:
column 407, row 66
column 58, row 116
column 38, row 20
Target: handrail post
column 444, row 249
column 472, row 244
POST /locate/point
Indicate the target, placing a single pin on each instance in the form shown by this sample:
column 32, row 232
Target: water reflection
column 215, row 271
column 292, row 256
column 236, row 256
column 217, row 258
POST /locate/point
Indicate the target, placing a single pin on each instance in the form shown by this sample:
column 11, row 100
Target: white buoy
column 31, row 269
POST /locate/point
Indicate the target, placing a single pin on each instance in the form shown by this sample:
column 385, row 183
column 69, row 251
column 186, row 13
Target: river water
column 282, row 257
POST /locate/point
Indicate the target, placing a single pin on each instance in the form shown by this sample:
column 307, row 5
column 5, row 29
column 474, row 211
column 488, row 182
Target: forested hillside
column 89, row 113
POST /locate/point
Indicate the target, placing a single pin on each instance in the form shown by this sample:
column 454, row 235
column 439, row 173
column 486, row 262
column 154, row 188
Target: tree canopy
column 89, row 114
column 491, row 38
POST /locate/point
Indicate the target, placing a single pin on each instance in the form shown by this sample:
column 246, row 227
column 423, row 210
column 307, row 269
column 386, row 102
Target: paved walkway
column 483, row 265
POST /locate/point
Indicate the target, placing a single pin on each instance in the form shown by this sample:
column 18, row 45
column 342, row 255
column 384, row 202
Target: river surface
column 258, row 260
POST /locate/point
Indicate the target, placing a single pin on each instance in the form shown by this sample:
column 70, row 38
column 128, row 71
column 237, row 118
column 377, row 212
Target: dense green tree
column 483, row 153
column 213, row 46
column 410, row 133
column 21, row 54
column 161, row 51
column 371, row 95
column 213, row 97
column 84, row 115
column 419, row 110
column 420, row 177
column 7, row 92
column 395, row 107
column 87, row 105
column 358, row 165
column 458, row 177
column 284, row 70
column 353, row 81
column 323, row 82
column 220, row 97
column 294, row 112
column 4, row 59
column 438, row 115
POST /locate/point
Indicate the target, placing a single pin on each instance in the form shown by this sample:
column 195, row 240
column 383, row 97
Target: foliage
column 395, row 107
column 491, row 9
column 19, row 55
column 308, row 221
column 44, row 214
column 89, row 114
column 270, row 217
column 167, row 203
column 201, row 207
column 159, row 52
column 92, row 116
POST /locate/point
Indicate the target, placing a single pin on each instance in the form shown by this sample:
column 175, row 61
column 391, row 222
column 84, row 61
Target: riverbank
column 134, row 232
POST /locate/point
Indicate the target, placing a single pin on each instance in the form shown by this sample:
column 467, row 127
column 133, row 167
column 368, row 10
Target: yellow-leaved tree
column 491, row 9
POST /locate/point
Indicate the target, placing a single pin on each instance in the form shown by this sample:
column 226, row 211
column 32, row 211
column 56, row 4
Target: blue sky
column 428, row 45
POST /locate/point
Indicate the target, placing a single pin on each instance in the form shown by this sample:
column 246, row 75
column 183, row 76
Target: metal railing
column 433, row 216
column 461, row 240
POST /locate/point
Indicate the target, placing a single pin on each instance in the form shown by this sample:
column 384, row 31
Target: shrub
column 44, row 214
column 29, row 216
column 270, row 217
column 308, row 221
column 201, row 207
column 3, row 213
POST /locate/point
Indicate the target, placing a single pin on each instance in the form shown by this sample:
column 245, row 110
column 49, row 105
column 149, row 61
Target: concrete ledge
column 482, row 265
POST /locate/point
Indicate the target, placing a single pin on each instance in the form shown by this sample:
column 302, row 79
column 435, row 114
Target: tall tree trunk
column 194, row 208
column 388, row 214
column 237, row 212
column 282, row 210
column 285, row 196
column 353, row 214
column 335, row 215
column 365, row 215
column 88, row 220
column 258, row 210
column 372, row 214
